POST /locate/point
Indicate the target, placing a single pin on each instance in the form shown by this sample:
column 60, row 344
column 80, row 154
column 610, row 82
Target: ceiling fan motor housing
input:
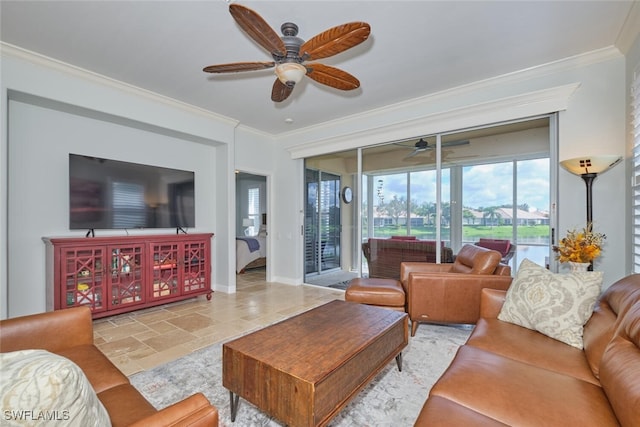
column 291, row 42
column 289, row 68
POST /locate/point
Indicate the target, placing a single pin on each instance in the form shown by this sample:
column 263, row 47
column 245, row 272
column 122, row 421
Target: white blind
column 128, row 205
column 635, row 189
column 254, row 209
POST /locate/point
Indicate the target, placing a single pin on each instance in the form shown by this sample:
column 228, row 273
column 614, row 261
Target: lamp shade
column 247, row 222
column 590, row 164
column 290, row 72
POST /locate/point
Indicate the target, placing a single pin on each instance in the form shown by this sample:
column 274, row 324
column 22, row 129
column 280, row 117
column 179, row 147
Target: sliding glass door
column 492, row 183
column 322, row 221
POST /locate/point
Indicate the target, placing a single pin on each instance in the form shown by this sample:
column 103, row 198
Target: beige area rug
column 393, row 398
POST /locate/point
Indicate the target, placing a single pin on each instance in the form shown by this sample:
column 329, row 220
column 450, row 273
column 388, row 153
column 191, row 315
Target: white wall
column 40, row 140
column 56, row 109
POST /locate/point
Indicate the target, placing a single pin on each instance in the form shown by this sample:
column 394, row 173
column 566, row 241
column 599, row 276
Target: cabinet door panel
column 165, row 270
column 83, row 278
column 126, row 282
column 196, row 273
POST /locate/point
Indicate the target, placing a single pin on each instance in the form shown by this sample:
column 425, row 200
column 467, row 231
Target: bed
column 247, row 255
column 251, row 251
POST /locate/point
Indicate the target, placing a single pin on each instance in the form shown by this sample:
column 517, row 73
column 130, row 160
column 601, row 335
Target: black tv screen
column 112, row 194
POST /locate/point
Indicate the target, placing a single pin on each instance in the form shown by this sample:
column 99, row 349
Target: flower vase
column 579, row 266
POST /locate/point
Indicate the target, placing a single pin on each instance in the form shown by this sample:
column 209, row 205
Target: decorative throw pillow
column 557, row 305
column 42, row 388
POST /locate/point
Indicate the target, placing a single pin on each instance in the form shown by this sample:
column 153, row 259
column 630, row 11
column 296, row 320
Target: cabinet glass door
column 127, row 276
column 83, row 278
column 165, row 271
column 194, row 272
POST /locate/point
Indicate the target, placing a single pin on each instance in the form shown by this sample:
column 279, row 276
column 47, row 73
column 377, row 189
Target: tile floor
column 147, row 338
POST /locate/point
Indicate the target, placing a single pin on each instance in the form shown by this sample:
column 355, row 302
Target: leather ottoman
column 387, row 293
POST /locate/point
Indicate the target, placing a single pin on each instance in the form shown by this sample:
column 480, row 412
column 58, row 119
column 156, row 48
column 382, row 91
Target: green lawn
column 470, row 232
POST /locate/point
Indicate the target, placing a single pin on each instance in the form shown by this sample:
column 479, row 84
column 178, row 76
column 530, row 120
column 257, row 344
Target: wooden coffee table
column 305, row 369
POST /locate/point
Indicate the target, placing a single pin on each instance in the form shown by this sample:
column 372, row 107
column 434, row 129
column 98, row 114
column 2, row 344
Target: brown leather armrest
column 52, row 331
column 491, row 301
column 192, row 411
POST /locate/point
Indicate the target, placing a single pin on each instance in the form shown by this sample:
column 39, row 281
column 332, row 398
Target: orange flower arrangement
column 580, row 246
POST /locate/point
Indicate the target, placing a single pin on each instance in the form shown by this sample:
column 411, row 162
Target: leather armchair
column 450, row 293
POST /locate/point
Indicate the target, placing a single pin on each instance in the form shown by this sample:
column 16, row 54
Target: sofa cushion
column 441, row 412
column 557, row 305
column 48, row 386
column 531, row 347
column 519, row 394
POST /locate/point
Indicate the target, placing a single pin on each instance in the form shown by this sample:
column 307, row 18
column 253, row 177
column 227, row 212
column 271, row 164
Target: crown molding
column 504, row 109
column 81, row 73
column 290, row 139
column 630, row 29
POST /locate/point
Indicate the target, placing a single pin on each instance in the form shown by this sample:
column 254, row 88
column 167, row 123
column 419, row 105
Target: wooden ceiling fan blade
column 335, row 40
column 332, row 76
column 280, row 91
column 258, row 29
column 238, row 66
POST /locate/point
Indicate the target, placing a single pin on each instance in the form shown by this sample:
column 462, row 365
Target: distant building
column 504, row 216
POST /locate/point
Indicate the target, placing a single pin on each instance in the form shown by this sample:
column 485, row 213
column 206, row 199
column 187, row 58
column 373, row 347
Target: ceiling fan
column 290, row 52
column 423, row 145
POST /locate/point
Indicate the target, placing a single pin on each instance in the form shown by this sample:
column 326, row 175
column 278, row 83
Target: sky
column 483, row 185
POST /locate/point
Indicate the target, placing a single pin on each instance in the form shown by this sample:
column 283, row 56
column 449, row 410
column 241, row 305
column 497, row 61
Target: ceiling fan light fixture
column 290, row 73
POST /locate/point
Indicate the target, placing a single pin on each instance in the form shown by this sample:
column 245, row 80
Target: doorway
column 251, row 223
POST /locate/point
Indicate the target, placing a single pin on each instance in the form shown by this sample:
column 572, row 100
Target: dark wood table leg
column 234, row 405
column 399, row 361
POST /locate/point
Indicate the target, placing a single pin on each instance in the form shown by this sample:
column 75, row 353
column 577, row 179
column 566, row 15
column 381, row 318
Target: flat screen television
column 112, row 194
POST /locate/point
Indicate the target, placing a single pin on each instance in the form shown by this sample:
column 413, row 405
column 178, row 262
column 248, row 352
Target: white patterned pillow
column 556, row 305
column 42, row 388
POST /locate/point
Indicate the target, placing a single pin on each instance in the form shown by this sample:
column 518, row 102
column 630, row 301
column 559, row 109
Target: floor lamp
column 588, row 168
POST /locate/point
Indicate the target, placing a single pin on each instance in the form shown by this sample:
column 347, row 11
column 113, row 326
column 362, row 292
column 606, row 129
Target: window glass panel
column 487, row 201
column 423, row 205
column 533, row 234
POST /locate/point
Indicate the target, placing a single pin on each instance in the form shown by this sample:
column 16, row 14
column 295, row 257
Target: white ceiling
column 416, row 47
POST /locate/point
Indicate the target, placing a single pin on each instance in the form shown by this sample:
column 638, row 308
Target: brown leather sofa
column 450, row 293
column 69, row 333
column 385, row 255
column 509, row 375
